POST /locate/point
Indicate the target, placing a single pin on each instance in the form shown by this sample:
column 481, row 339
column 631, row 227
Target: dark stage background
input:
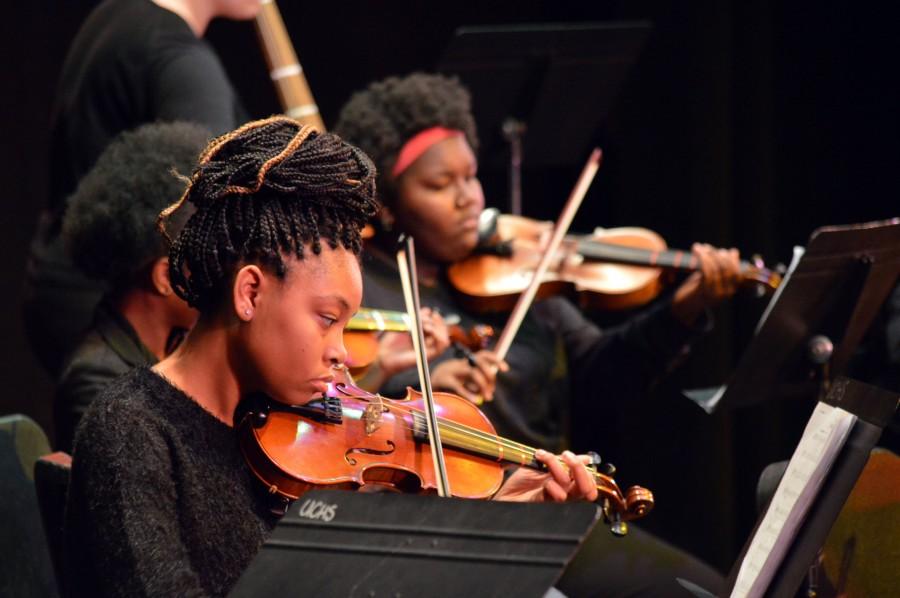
column 742, row 124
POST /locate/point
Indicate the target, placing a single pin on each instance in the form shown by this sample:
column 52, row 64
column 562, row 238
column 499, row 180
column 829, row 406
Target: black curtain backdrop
column 741, row 124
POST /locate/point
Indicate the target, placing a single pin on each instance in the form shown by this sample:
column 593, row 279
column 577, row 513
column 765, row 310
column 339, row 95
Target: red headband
column 418, row 144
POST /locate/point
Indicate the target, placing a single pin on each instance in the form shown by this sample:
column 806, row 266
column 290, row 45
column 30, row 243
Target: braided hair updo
column 263, row 192
column 385, row 115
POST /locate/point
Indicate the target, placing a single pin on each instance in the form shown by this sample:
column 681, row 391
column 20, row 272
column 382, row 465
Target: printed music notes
column 823, row 438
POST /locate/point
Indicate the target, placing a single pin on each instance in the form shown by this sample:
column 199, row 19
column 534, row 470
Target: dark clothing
column 892, row 340
column 110, row 349
column 639, row 564
column 132, row 63
column 161, row 501
column 561, row 365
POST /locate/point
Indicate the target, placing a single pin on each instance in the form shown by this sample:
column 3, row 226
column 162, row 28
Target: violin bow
column 406, row 260
column 504, row 342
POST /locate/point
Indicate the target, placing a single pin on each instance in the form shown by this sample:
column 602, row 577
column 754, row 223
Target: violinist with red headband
column 420, row 132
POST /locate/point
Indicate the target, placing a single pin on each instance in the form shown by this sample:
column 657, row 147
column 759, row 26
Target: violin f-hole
column 368, row 451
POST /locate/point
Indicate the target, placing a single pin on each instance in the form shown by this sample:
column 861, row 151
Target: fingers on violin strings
column 734, row 268
column 582, row 481
column 727, row 267
column 712, row 277
column 554, row 491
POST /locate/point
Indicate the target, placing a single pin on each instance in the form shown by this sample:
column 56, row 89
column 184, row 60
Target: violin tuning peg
column 607, row 469
column 259, row 418
column 617, row 526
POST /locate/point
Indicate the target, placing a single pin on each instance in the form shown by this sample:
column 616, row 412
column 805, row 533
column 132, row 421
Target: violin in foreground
column 352, row 439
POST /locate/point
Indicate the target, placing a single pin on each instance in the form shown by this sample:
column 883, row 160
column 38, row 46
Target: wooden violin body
column 361, row 335
column 352, row 439
column 377, row 442
column 611, row 269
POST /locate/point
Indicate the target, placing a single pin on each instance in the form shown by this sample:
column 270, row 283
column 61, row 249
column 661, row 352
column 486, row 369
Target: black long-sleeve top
column 161, row 501
column 110, row 349
column 131, row 63
column 562, row 366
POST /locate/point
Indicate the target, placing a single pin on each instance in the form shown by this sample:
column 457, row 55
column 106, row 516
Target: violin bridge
column 372, row 415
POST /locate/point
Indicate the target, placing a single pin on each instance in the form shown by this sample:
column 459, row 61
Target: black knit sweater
column 161, row 502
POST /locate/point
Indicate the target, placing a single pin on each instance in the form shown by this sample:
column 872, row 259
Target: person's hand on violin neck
column 473, row 377
column 563, row 481
column 718, row 279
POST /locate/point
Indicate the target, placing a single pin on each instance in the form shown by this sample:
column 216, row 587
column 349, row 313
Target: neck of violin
column 491, row 446
column 486, row 445
column 379, row 320
column 670, row 259
column 284, row 68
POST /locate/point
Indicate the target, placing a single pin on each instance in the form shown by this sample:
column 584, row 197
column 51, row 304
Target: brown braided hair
column 263, row 192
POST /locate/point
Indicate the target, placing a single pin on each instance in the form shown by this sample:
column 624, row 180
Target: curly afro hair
column 109, row 225
column 271, row 189
column 385, row 115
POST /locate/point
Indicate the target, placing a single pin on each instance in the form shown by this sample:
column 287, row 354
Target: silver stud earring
column 247, row 312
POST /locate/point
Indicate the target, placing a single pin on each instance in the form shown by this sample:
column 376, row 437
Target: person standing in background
column 132, row 62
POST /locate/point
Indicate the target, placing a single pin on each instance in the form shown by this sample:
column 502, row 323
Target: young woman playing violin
column 420, row 132
column 161, row 501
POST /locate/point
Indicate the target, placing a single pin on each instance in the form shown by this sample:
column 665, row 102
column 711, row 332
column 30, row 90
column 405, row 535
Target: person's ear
column 159, row 277
column 247, row 284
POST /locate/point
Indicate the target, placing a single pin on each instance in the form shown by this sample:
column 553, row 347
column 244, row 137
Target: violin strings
column 476, row 433
column 465, row 430
column 468, row 431
column 473, row 433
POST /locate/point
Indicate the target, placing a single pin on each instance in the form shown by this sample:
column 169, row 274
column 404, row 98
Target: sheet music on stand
column 824, row 436
column 834, row 448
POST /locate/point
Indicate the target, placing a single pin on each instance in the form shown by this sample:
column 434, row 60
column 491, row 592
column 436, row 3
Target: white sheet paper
column 823, row 438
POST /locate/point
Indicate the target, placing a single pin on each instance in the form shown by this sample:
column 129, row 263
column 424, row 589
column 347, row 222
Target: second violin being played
column 616, row 268
column 361, row 336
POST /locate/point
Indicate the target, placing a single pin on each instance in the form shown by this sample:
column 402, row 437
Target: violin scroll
column 619, row 508
column 765, row 280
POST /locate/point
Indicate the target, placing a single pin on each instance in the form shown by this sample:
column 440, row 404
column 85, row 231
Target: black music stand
column 873, row 408
column 817, row 317
column 339, row 543
column 556, row 83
